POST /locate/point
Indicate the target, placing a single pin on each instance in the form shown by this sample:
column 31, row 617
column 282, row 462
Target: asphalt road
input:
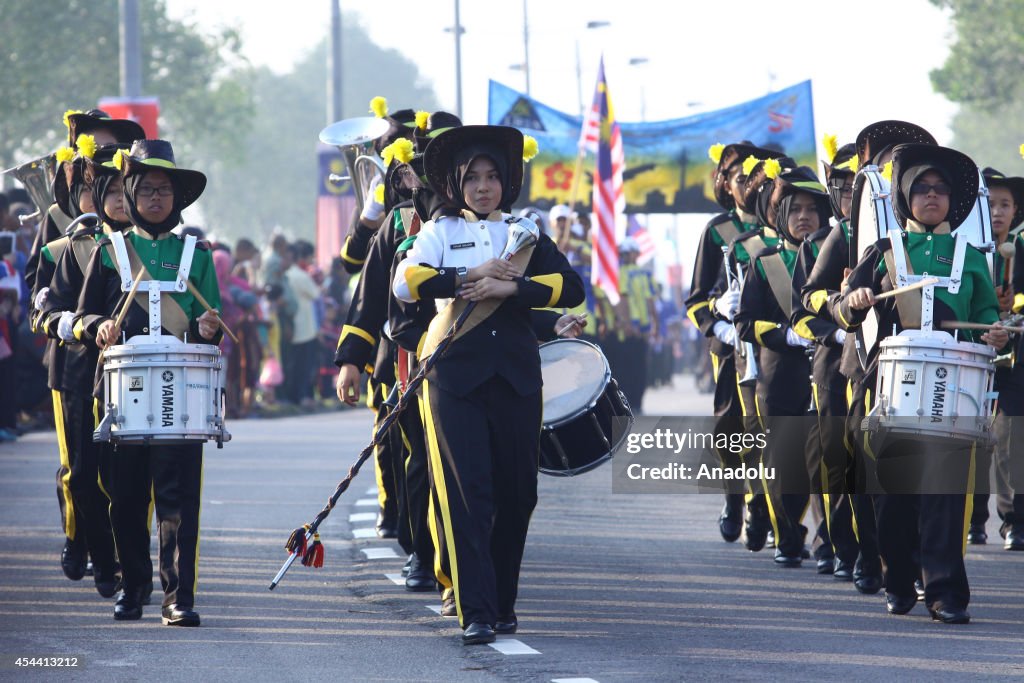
column 614, row 588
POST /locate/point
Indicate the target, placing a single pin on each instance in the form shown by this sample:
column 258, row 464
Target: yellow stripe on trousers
column 439, row 571
column 969, row 503
column 442, row 493
column 65, row 463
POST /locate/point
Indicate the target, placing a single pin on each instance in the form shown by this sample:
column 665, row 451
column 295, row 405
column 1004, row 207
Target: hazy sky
column 716, row 53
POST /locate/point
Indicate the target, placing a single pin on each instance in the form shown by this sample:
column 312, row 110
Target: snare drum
column 930, row 384
column 163, row 393
column 581, row 402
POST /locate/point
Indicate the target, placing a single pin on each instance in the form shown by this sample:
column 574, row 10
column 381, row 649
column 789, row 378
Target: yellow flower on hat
column 887, row 171
column 530, row 147
column 401, row 149
column 379, row 107
column 67, row 114
column 86, row 145
column 772, row 168
column 749, row 163
column 715, row 152
column 65, row 154
column 119, row 157
column 1021, row 151
column 831, row 145
column 421, row 119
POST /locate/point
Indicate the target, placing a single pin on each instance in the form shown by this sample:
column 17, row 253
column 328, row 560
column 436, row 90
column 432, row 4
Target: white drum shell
column 164, row 392
column 933, row 385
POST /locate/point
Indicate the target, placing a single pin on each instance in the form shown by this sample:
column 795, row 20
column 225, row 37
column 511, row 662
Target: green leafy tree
column 983, row 74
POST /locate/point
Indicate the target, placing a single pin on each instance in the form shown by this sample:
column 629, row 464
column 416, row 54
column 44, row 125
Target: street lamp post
column 579, row 68
column 640, row 61
column 458, row 31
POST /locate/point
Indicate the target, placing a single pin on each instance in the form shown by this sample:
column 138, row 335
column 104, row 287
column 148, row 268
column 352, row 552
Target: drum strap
column 172, row 315
column 445, row 318
column 728, row 231
column 908, row 304
column 82, row 248
column 780, row 280
column 57, row 248
column 406, row 359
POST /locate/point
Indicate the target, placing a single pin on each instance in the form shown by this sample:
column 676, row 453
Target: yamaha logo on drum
column 941, row 373
column 167, row 406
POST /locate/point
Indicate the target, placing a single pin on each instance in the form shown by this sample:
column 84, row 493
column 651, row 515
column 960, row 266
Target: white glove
column 725, row 332
column 727, row 304
column 372, row 209
column 840, row 337
column 65, row 327
column 794, row 339
column 40, row 299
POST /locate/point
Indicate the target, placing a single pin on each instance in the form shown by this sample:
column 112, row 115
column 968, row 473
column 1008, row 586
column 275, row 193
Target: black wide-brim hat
column 439, row 159
column 158, row 155
column 123, row 130
column 843, row 155
column 67, row 173
column 732, row 154
column 1014, row 184
column 959, row 169
column 102, row 162
column 402, row 124
column 791, row 181
column 879, row 135
column 401, row 180
column 437, row 123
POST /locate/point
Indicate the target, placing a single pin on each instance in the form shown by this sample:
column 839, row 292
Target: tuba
column 352, row 137
column 37, row 177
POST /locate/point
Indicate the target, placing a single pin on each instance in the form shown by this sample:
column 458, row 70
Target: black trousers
column 788, row 490
column 633, row 381
column 484, row 449
column 859, row 477
column 84, row 505
column 414, row 528
column 174, row 474
column 387, row 456
column 829, row 464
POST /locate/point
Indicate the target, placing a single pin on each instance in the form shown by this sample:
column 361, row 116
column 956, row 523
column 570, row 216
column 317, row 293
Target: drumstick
column 965, row 325
column 202, row 302
column 909, row 288
column 124, row 309
column 565, row 329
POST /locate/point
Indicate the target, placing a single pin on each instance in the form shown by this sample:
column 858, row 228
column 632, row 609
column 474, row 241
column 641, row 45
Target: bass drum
column 581, row 404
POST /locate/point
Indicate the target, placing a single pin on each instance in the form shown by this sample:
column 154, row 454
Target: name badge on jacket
column 463, row 245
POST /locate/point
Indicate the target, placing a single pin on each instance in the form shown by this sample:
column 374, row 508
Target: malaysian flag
column 335, row 206
column 609, row 200
column 643, row 239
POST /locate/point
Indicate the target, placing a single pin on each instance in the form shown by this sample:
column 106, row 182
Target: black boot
column 129, row 605
column 73, row 558
column 420, row 578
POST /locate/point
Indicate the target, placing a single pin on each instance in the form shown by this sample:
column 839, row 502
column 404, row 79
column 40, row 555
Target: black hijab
column 464, row 159
column 131, row 188
column 911, row 176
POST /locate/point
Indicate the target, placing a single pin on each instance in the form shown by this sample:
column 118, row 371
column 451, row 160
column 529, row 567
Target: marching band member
column 1006, row 202
column 482, row 400
column 796, row 206
column 79, row 366
column 827, row 452
column 155, row 193
column 705, row 311
column 934, row 190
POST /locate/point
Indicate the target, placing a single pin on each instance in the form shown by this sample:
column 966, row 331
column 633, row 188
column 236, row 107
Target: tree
column 982, row 73
column 276, row 184
column 63, row 54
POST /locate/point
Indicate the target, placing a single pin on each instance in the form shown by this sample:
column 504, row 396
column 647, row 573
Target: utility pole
column 526, row 48
column 334, row 111
column 131, row 52
column 458, row 62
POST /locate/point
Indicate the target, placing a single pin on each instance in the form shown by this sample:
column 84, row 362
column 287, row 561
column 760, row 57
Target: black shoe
column 405, row 568
column 756, row 530
column 147, row 593
column 128, row 606
column 826, row 565
column 730, row 522
column 976, row 535
column 387, row 525
column 842, row 571
column 420, row 578
column 108, row 582
column 899, row 604
column 506, row 625
column 1014, row 538
column 919, row 589
column 73, row 559
column 868, row 584
column 176, row 615
column 478, row 634
column 805, row 553
column 770, row 539
column 784, row 560
column 950, row 616
column 88, row 568
column 448, row 608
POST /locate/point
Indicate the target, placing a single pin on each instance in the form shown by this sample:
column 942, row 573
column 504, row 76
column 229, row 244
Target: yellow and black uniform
column 636, row 289
column 924, row 534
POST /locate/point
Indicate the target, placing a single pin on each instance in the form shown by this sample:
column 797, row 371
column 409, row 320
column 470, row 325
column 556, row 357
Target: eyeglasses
column 941, row 189
column 846, row 191
column 147, row 191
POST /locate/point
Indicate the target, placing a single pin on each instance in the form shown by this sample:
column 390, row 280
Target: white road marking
column 573, row 680
column 368, row 532
column 372, row 491
column 366, row 502
column 436, row 609
column 398, row 580
column 511, row 646
column 362, row 517
column 379, row 553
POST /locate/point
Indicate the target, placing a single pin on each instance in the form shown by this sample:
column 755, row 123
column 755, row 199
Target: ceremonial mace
column 522, row 233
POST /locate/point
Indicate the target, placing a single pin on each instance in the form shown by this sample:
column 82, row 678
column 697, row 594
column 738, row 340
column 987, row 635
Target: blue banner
column 667, row 164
